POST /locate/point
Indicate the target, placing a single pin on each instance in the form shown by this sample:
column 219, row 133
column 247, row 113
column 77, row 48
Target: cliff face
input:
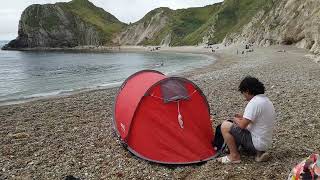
column 194, row 26
column 164, row 26
column 79, row 23
column 262, row 22
column 145, row 29
column 71, row 24
column 289, row 22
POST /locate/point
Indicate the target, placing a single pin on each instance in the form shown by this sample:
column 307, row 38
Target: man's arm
column 241, row 121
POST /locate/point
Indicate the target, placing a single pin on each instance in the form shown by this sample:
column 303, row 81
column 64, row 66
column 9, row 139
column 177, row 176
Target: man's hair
column 251, row 85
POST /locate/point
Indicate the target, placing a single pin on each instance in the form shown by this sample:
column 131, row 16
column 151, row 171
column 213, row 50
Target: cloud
column 125, row 10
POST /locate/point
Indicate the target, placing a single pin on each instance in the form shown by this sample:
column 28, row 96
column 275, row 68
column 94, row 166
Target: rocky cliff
column 164, row 26
column 193, row 26
column 71, row 24
column 147, row 28
column 262, row 22
column 288, row 22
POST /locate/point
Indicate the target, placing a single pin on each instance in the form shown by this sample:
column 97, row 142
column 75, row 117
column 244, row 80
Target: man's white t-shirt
column 261, row 113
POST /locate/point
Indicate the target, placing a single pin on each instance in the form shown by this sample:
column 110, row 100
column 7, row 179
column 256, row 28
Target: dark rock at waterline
column 15, row 44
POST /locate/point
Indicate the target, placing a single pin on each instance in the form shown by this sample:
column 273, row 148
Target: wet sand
column 55, row 137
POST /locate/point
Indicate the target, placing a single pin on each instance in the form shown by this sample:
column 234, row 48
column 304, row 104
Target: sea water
column 26, row 75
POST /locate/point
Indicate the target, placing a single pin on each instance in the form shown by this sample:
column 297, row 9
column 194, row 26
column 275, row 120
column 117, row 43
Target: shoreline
column 192, row 50
column 114, row 49
column 72, row 135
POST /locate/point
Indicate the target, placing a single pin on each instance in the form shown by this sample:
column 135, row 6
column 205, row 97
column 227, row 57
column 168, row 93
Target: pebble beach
column 72, row 135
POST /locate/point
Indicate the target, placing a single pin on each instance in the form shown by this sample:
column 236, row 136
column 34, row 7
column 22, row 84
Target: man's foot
column 262, row 157
column 227, row 160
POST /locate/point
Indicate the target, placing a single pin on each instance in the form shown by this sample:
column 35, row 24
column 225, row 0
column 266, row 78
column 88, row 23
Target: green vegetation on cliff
column 215, row 22
column 105, row 22
column 181, row 23
column 39, row 15
column 76, row 23
column 234, row 14
column 191, row 20
column 79, row 22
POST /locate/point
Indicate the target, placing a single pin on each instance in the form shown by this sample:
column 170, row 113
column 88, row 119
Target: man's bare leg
column 230, row 141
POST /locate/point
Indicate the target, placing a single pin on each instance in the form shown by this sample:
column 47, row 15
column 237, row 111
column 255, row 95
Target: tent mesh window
column 173, row 90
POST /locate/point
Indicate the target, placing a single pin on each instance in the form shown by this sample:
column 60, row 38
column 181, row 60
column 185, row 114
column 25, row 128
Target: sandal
column 226, row 160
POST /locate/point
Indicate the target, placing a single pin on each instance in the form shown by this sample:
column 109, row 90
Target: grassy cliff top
column 234, row 14
column 189, row 26
column 96, row 16
column 181, row 22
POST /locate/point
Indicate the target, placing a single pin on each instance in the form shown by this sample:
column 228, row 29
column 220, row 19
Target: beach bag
column 218, row 143
column 308, row 169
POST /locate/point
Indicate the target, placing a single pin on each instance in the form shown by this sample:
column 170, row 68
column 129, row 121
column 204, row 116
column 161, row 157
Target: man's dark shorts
column 243, row 138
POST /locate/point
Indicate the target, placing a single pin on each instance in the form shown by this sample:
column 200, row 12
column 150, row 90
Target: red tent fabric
column 164, row 119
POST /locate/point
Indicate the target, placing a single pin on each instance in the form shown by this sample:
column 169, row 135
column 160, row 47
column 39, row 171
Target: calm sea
column 28, row 75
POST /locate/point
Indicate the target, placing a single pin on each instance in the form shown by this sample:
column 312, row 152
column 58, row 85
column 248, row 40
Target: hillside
column 71, row 24
column 262, row 22
column 148, row 28
column 192, row 26
column 289, row 22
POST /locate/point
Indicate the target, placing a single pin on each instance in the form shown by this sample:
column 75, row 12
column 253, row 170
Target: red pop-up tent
column 163, row 119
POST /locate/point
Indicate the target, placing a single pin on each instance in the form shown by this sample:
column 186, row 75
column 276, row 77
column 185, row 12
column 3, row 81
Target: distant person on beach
column 253, row 130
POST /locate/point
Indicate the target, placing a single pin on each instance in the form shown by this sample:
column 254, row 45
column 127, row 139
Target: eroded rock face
column 289, row 22
column 51, row 26
column 61, row 25
column 145, row 29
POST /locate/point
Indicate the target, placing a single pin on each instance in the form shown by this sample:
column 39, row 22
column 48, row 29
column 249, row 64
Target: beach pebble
column 67, row 131
column 19, row 135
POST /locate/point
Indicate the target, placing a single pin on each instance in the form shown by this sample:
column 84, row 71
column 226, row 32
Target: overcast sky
column 125, row 10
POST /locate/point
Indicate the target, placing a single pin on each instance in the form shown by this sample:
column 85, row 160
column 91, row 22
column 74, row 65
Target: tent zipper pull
column 180, row 121
column 179, row 116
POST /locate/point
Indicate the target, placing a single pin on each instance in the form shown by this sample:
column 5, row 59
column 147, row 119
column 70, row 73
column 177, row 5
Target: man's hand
column 237, row 115
column 237, row 120
column 240, row 121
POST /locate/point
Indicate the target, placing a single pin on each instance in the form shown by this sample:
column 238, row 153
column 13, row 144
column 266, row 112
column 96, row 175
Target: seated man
column 252, row 131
